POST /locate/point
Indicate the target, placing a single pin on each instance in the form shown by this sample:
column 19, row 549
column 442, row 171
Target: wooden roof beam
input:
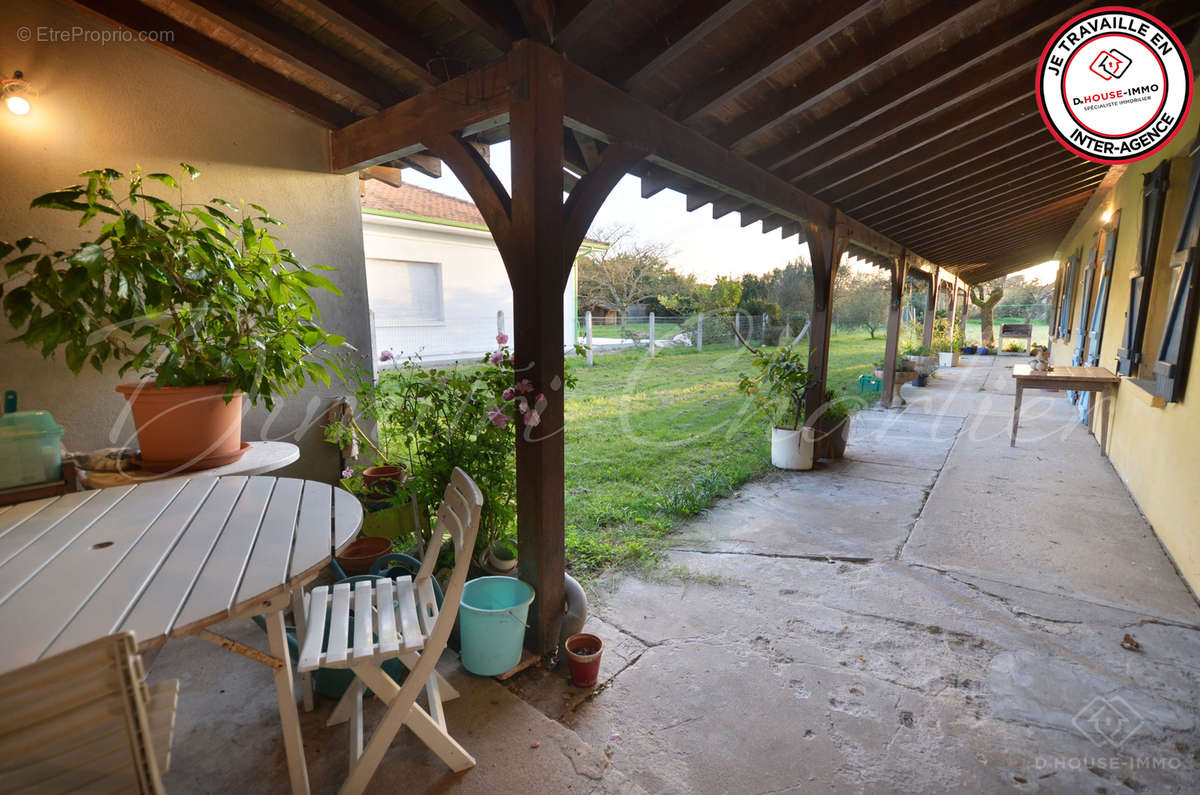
column 673, row 35
column 975, row 117
column 700, row 197
column 752, row 214
column 817, row 25
column 996, row 48
column 967, row 182
column 935, row 168
column 408, row 126
column 205, row 52
column 573, row 18
column 725, row 205
column 376, row 26
column 772, row 222
column 483, row 18
column 1023, row 187
column 269, row 31
column 918, row 28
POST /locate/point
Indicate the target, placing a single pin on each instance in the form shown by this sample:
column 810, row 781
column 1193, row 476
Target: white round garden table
column 165, row 559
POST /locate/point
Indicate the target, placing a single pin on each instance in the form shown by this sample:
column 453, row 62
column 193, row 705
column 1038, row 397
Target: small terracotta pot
column 583, row 657
column 185, row 428
column 383, row 482
column 359, row 556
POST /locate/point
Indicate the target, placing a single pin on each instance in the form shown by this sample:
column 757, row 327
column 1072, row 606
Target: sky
column 701, row 246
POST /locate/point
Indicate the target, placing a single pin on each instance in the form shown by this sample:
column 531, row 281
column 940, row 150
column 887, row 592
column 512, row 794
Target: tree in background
column 987, row 307
column 1028, row 299
column 860, row 300
column 791, row 287
column 629, row 273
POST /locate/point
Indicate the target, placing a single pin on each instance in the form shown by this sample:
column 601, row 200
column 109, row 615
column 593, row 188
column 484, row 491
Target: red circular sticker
column 1114, row 85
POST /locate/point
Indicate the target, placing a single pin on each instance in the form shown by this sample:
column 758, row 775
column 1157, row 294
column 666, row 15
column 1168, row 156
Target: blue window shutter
column 1154, row 194
column 1174, row 353
column 1064, row 306
column 1096, row 332
column 1085, row 300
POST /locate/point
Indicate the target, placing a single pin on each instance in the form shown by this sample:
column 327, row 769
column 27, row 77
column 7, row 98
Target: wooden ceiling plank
column 375, row 26
column 201, row 50
column 939, row 177
column 1026, row 197
column 1052, row 170
column 538, row 17
column 914, row 30
column 482, row 18
column 763, row 59
column 257, row 23
column 1013, row 217
column 998, row 39
column 575, row 17
column 975, row 116
column 677, row 32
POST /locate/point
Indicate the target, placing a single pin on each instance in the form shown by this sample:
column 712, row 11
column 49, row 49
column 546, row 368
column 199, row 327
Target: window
column 1064, row 301
column 1085, row 304
column 406, row 292
column 1174, row 352
column 1154, row 192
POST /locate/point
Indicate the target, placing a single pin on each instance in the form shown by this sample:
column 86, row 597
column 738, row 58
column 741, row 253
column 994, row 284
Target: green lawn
column 1041, row 329
column 652, row 441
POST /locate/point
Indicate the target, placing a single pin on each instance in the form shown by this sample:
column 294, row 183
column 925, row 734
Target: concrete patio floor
column 937, row 612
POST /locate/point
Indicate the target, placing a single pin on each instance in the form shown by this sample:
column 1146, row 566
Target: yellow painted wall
column 120, row 103
column 1156, row 450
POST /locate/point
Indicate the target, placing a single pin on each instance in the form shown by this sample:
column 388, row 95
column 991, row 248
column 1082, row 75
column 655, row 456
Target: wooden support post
column 892, row 347
column 963, row 315
column 826, row 245
column 538, row 236
column 952, row 310
column 931, row 293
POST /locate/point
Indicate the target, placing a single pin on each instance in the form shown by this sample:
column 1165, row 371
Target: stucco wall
column 474, row 287
column 122, row 104
column 1156, row 450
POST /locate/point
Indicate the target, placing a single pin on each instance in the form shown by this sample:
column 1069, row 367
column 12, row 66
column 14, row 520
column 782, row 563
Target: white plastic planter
column 947, row 359
column 792, row 449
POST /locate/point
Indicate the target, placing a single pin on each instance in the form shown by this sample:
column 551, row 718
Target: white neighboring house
column 435, row 280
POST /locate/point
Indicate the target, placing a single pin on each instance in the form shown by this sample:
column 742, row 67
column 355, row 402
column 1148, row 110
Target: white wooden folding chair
column 397, row 618
column 85, row 720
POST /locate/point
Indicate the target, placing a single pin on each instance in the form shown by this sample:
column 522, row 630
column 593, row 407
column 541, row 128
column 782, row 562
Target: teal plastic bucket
column 492, row 619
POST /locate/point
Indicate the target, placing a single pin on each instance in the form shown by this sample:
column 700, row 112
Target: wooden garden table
column 165, row 559
column 1097, row 380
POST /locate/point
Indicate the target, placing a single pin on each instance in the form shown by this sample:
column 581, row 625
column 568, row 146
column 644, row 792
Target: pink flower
column 501, row 338
column 540, row 400
column 348, row 472
column 524, row 387
column 497, row 357
column 532, row 418
column 499, row 418
column 509, row 394
column 386, row 356
column 522, row 405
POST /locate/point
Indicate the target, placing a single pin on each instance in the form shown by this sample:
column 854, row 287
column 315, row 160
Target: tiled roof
column 417, row 202
column 420, row 202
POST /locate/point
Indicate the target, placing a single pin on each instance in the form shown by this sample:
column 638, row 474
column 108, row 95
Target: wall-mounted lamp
column 15, row 91
column 1106, row 216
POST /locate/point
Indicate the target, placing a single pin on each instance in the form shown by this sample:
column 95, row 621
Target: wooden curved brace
column 589, row 194
column 481, row 182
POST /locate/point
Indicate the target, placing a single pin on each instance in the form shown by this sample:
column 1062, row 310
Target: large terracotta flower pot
column 185, row 428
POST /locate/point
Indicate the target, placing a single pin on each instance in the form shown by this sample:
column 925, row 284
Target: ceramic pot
column 792, row 449
column 360, row 555
column 583, row 658
column 185, row 428
column 383, row 482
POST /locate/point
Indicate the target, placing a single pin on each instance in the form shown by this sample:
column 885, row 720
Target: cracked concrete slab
column 982, row 655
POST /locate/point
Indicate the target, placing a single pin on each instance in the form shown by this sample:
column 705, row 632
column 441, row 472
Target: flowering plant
column 434, row 419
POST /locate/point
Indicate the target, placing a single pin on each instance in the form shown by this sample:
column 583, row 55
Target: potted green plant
column 923, row 358
column 832, row 427
column 778, row 390
column 948, row 345
column 198, row 300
